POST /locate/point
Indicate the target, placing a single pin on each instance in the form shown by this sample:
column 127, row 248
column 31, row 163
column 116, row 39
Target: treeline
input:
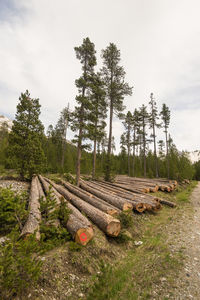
column 100, row 97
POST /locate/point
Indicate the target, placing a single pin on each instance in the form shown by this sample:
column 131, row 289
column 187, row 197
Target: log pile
column 145, row 184
column 78, row 225
column 99, row 201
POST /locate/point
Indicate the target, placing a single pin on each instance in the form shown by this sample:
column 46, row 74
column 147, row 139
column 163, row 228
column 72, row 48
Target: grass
column 146, row 268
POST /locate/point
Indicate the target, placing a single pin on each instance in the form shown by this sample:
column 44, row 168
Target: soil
column 188, row 283
column 184, row 235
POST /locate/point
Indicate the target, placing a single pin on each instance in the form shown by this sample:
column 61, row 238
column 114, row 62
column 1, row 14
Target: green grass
column 143, row 267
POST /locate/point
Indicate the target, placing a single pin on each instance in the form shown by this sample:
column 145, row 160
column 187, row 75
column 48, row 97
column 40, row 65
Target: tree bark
column 105, row 222
column 77, row 225
column 115, row 201
column 32, row 224
column 93, row 200
column 94, row 159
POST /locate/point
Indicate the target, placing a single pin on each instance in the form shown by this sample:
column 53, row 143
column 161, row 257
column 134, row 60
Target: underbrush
column 20, row 265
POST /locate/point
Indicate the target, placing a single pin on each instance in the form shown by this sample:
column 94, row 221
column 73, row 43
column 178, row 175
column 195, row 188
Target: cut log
column 105, row 222
column 122, row 204
column 93, row 200
column 78, row 225
column 137, row 205
column 147, row 201
column 32, row 224
column 166, row 202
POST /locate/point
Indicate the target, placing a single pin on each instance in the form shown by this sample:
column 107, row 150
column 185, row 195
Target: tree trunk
column 108, row 175
column 91, row 199
column 115, row 201
column 138, row 206
column 155, row 152
column 105, row 222
column 94, row 159
column 77, row 225
column 144, row 149
column 167, row 152
column 64, row 144
column 134, row 140
column 32, row 224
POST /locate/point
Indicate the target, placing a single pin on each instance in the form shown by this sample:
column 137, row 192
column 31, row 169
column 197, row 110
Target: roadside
column 166, row 265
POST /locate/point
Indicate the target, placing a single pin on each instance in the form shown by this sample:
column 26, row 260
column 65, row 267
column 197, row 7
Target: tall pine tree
column 153, row 121
column 128, row 122
column 86, row 54
column 97, row 115
column 116, row 90
column 165, row 116
column 144, row 120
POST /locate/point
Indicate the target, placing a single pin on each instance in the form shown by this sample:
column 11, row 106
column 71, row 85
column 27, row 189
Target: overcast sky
column 160, row 50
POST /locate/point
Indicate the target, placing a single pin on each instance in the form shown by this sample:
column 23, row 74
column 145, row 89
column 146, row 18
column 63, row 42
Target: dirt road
column 188, row 282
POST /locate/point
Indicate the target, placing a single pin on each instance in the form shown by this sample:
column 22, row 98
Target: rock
column 138, row 243
column 81, row 295
column 3, row 240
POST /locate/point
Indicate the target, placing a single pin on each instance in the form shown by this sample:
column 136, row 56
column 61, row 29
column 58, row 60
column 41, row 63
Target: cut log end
column 113, row 212
column 157, row 207
column 127, row 206
column 113, row 228
column 140, row 207
column 84, row 235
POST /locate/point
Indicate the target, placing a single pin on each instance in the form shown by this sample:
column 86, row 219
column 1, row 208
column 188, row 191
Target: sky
column 159, row 42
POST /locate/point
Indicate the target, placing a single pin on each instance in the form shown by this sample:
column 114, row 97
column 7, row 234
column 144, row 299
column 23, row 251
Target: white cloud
column 159, row 45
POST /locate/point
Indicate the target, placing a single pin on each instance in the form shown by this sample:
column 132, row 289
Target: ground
column 165, row 264
column 188, row 236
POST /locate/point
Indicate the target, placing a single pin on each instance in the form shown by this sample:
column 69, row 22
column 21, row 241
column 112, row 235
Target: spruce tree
column 116, row 90
column 165, row 116
column 153, row 117
column 97, row 115
column 25, row 146
column 86, row 54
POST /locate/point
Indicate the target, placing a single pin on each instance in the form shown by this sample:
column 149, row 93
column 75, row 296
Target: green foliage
column 25, row 148
column 116, row 89
column 74, row 247
column 63, row 212
column 126, row 219
column 48, row 208
column 12, row 210
column 20, row 268
column 69, row 178
column 54, row 219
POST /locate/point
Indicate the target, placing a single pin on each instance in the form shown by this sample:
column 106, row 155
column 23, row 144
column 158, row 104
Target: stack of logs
column 100, row 201
column 146, row 185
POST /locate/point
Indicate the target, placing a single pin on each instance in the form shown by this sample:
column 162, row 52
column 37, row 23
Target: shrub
column 19, row 267
column 12, row 210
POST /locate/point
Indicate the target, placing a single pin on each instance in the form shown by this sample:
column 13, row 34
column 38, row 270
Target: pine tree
column 116, row 90
column 144, row 119
column 25, row 138
column 61, row 132
column 135, row 142
column 165, row 116
column 128, row 122
column 153, row 117
column 86, row 54
column 97, row 114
